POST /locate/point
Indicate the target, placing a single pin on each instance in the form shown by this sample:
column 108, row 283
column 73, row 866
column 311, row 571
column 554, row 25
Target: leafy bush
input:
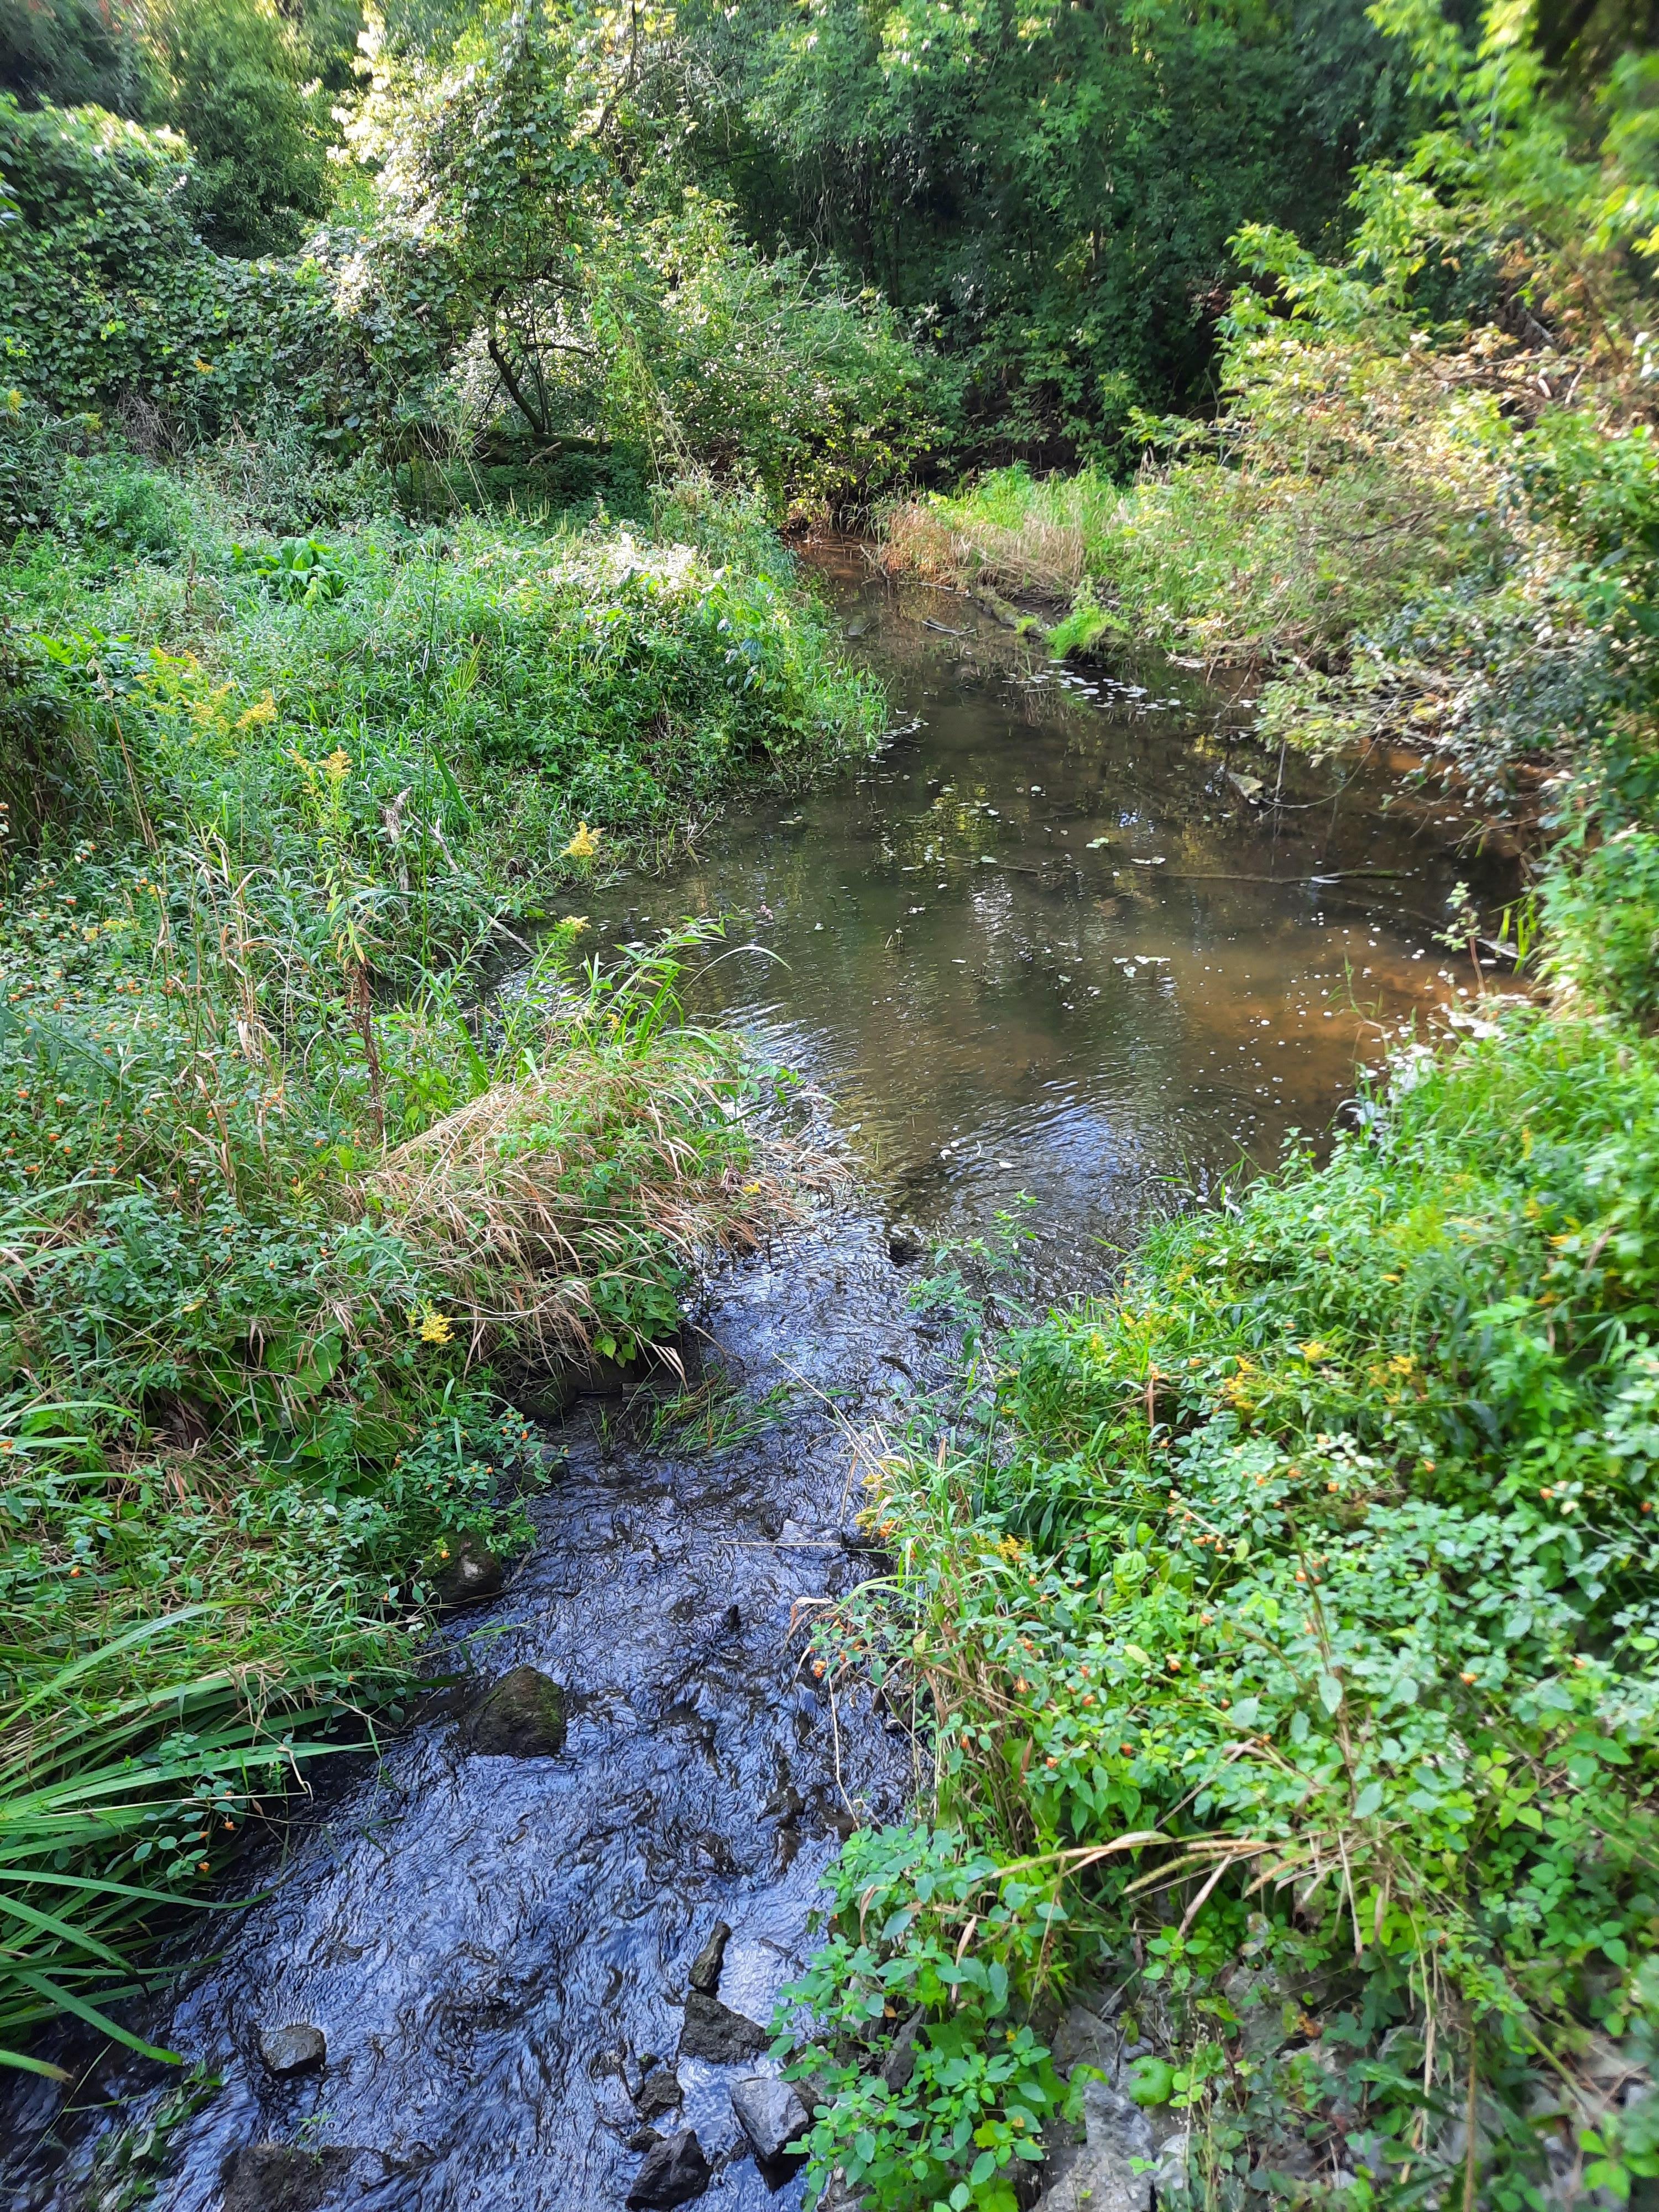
column 1603, row 921
column 930, row 1949
column 536, row 280
column 118, row 505
column 230, row 77
column 1049, row 191
column 106, row 292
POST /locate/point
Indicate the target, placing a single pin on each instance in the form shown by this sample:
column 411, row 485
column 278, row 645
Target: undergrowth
column 289, row 1204
column 1285, row 1645
column 1292, row 1644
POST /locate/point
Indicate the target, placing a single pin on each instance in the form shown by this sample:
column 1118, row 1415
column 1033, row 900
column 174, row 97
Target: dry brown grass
column 1035, row 559
column 549, row 1204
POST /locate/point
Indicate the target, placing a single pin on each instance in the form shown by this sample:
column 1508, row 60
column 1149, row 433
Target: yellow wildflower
column 337, row 766
column 583, row 845
column 432, row 1327
column 263, row 710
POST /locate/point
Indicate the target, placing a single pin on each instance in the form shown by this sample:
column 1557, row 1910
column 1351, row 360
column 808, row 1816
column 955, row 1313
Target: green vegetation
column 1317, row 1561
column 1282, row 1622
column 286, row 1203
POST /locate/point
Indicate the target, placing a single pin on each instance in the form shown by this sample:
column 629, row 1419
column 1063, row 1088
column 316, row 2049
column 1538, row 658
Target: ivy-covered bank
column 1282, row 1623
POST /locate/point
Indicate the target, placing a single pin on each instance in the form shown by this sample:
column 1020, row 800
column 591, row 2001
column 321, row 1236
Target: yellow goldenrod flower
column 337, row 766
column 432, row 1327
column 583, row 845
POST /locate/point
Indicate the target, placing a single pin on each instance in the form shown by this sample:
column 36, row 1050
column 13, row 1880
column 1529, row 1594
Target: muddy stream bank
column 1052, row 942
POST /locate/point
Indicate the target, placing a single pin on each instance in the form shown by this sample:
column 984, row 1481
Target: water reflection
column 1056, row 939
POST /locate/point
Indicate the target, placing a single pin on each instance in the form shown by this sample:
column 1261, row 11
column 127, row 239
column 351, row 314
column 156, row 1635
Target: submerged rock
column 906, row 1244
column 673, row 2173
column 299, row 2048
column 521, row 1718
column 276, row 2177
column 771, row 2115
column 705, row 1974
column 713, row 2031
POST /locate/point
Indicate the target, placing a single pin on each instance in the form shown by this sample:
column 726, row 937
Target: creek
column 1052, row 942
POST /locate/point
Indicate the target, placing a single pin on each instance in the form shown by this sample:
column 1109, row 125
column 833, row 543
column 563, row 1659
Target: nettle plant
column 929, row 2084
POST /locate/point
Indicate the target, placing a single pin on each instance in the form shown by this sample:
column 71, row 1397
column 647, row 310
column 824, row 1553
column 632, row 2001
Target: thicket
column 251, row 87
column 1049, row 191
column 520, row 291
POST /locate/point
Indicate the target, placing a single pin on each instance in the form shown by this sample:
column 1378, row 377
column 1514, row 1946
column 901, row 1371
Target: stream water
column 1047, row 944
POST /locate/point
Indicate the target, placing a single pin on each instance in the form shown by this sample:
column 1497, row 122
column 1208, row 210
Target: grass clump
column 243, row 1407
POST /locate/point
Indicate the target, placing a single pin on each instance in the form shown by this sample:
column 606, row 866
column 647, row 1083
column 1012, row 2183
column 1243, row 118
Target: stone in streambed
column 900, row 2063
column 299, row 2048
column 713, row 2031
column 660, row 2092
column 771, row 2115
column 471, row 1574
column 673, row 2173
column 906, row 1244
column 521, row 1718
column 276, row 2177
column 705, row 1974
column 1099, row 2174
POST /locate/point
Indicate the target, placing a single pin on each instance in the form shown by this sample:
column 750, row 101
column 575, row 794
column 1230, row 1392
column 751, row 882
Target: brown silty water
column 1057, row 940
column 1050, row 943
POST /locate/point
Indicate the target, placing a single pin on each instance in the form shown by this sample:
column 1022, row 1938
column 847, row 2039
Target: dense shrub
column 106, row 292
column 1304, row 1607
column 1603, row 918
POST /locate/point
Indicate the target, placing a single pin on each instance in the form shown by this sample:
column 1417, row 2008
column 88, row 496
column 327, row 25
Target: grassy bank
column 286, row 1206
column 1290, row 1637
